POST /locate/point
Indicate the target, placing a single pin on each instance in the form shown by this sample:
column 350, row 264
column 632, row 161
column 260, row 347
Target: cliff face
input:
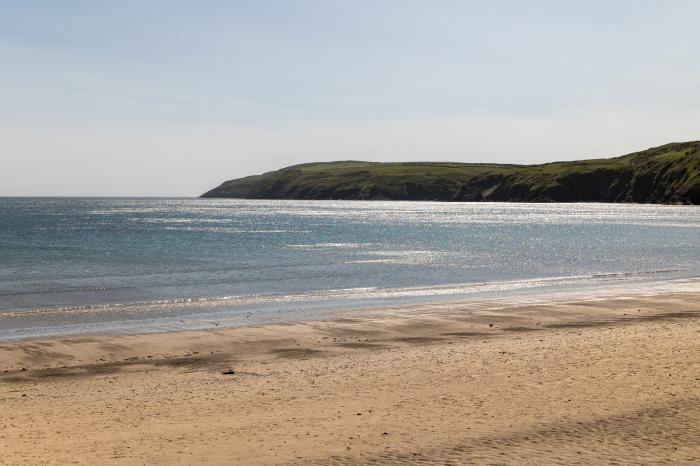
column 665, row 174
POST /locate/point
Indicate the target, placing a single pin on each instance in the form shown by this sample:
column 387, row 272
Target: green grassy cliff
column 665, row 174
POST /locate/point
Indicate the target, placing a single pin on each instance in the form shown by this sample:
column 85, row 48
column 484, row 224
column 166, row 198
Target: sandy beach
column 599, row 381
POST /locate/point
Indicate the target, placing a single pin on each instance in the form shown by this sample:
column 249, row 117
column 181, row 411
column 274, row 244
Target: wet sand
column 599, row 381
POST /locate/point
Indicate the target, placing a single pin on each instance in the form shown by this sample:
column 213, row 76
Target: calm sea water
column 80, row 265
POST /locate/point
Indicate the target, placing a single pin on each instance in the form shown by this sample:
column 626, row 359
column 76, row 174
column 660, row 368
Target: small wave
column 332, row 245
column 635, row 273
column 63, row 290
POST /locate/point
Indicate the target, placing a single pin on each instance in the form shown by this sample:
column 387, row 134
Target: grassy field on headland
column 665, row 174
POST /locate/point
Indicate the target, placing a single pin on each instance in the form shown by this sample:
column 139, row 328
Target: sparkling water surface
column 85, row 265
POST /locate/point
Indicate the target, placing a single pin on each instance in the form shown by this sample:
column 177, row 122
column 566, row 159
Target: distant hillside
column 665, row 174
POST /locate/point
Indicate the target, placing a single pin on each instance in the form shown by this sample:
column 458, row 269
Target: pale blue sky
column 171, row 98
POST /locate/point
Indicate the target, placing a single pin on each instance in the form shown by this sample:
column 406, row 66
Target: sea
column 73, row 266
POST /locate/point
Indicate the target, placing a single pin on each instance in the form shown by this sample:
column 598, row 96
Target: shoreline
column 559, row 308
column 584, row 381
column 322, row 311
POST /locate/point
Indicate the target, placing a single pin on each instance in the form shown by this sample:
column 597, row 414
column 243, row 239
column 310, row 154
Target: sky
column 171, row 98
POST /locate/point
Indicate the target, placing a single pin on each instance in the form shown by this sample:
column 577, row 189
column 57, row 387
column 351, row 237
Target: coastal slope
column 667, row 174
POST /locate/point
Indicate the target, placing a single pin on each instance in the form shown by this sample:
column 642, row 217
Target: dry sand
column 612, row 381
